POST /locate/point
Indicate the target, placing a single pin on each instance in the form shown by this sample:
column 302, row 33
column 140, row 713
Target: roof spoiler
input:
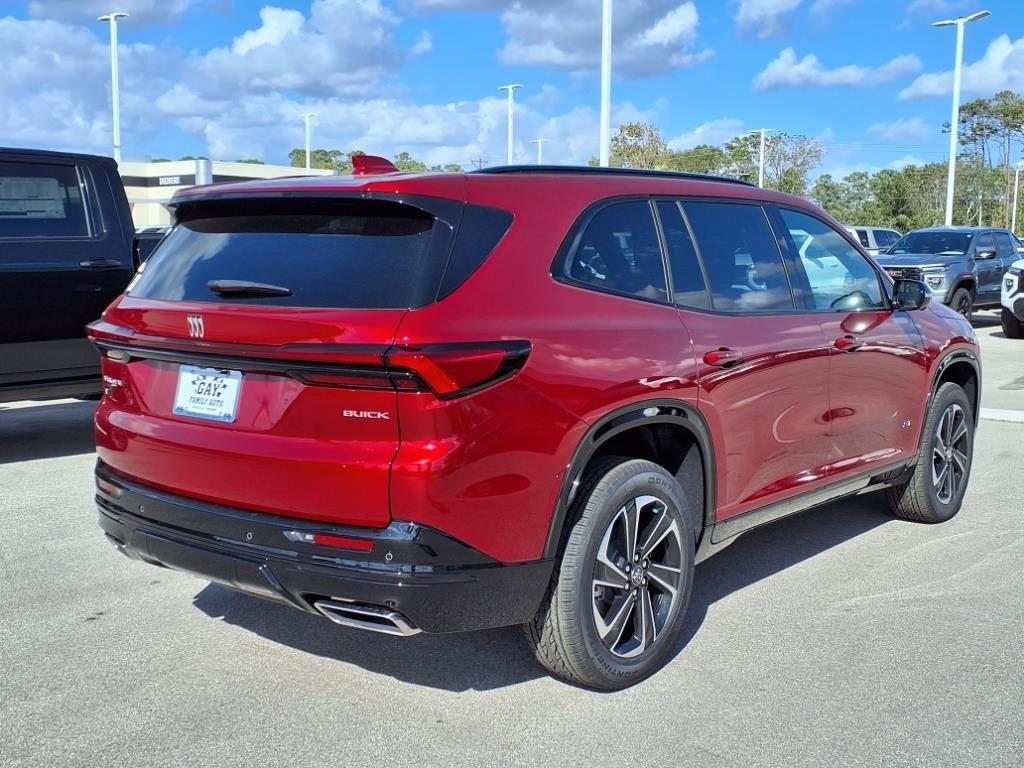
column 372, row 165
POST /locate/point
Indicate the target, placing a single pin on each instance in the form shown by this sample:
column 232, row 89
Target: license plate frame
column 209, row 394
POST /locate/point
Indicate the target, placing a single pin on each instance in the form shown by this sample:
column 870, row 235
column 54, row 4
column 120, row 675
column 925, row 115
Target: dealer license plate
column 207, row 393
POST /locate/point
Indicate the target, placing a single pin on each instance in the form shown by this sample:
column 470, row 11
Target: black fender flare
column 955, row 356
column 618, row 421
column 967, row 281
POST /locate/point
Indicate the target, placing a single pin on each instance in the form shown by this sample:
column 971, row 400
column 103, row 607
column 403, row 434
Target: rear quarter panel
column 488, row 468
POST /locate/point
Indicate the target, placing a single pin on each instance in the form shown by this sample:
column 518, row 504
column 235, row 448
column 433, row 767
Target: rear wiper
column 246, row 288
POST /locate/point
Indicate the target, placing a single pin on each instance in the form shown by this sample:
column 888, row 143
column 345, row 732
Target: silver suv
column 874, row 239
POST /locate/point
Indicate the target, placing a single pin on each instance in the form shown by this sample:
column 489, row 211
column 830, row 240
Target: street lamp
column 511, row 90
column 954, row 124
column 115, row 95
column 540, row 149
column 606, row 83
column 1016, row 185
column 760, row 156
column 309, row 140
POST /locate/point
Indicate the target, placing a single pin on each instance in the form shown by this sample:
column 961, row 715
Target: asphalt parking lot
column 840, row 637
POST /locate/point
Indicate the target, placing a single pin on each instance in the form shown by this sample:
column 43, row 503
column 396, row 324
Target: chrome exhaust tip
column 368, row 617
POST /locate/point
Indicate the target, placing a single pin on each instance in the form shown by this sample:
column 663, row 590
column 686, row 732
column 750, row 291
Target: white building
column 150, row 186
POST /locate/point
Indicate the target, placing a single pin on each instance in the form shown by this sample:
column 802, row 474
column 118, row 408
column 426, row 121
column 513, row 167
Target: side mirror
column 910, row 295
column 985, row 255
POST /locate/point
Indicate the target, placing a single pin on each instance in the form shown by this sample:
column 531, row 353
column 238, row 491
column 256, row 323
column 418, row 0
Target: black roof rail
column 583, row 169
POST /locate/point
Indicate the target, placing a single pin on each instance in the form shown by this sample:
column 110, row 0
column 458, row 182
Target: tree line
column 991, row 135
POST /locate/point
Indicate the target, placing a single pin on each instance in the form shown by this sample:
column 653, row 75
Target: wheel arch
column 622, row 425
column 962, row 367
column 965, row 281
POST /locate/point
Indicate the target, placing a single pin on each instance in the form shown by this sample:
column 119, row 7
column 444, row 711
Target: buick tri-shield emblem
column 195, row 326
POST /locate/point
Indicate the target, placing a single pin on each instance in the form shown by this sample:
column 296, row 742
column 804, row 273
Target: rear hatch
column 246, row 363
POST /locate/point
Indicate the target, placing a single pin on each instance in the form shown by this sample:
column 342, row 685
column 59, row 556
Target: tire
column 962, row 302
column 565, row 634
column 926, row 497
column 1012, row 326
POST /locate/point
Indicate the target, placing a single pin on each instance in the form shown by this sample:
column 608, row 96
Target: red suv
column 525, row 395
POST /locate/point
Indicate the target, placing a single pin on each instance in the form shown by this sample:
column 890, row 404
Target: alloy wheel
column 637, row 576
column 949, row 453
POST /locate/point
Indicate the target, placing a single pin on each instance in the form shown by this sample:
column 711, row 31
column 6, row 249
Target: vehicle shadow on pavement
column 46, row 431
column 772, row 548
column 498, row 658
column 482, row 660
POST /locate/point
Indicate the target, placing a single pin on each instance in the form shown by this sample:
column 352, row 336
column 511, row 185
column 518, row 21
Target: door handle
column 99, row 264
column 723, row 358
column 848, row 343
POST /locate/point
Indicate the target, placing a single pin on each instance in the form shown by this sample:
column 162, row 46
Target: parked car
column 1012, row 301
column 874, row 239
column 66, row 251
column 963, row 266
column 524, row 395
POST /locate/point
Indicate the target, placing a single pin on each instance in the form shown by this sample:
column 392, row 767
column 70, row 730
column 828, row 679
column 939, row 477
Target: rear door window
column 1004, row 246
column 741, row 258
column 688, row 286
column 354, row 254
column 862, row 235
column 618, row 252
column 41, row 200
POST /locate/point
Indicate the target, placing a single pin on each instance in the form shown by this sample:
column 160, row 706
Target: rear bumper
column 433, row 582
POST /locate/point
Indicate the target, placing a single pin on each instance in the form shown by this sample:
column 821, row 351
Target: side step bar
column 366, row 617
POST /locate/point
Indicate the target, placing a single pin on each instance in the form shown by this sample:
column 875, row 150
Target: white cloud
column 714, row 132
column 424, row 45
column 906, row 160
column 765, row 18
column 243, row 99
column 57, row 97
column 787, row 71
column 650, row 37
column 1002, row 67
column 910, row 129
column 141, row 11
column 342, row 47
column 436, row 133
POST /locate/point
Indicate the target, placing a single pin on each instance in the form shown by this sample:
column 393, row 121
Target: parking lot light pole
column 606, row 83
column 540, row 149
column 954, row 124
column 115, row 94
column 511, row 107
column 760, row 156
column 1016, row 187
column 308, row 117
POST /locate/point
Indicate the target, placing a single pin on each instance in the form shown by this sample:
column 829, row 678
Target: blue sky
column 229, row 78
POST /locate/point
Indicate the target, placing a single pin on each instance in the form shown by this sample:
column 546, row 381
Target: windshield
column 934, row 242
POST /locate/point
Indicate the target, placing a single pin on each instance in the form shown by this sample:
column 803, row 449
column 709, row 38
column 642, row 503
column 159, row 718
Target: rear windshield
column 355, row 254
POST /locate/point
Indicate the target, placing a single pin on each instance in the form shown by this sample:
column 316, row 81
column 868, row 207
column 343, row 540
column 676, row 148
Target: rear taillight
column 447, row 370
column 452, row 370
